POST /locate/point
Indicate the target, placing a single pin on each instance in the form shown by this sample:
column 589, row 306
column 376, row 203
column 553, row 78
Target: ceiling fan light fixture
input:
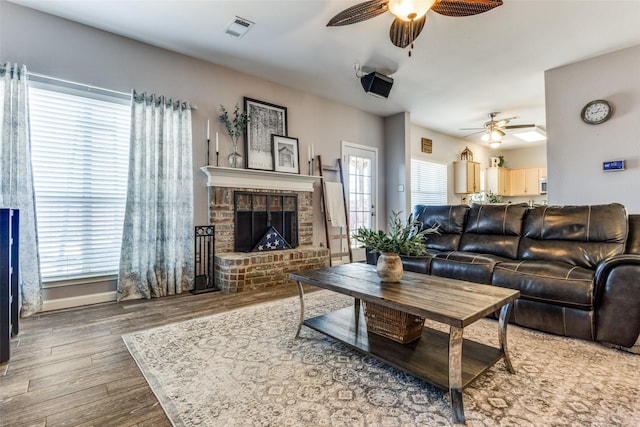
column 410, row 10
column 494, row 135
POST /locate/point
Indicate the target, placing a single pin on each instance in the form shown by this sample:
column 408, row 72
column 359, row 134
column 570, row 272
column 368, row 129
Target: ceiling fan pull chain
column 410, row 37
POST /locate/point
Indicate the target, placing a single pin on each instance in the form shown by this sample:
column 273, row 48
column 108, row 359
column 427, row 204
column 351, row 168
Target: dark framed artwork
column 265, row 119
column 286, row 154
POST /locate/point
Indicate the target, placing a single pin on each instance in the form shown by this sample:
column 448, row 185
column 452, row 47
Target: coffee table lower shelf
column 426, row 358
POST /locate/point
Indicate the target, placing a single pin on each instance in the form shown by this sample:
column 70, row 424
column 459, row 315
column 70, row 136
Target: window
column 428, row 183
column 80, row 151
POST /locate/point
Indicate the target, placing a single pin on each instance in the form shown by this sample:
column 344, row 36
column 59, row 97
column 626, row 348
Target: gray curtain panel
column 157, row 254
column 17, row 180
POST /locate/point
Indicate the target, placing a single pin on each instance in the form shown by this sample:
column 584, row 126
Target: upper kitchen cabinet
column 524, row 182
column 466, row 177
column 498, row 180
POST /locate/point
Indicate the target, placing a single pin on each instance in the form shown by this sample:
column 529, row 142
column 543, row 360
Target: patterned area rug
column 244, row 368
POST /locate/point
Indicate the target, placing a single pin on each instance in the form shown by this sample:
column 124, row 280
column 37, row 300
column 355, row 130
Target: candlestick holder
column 311, row 167
column 208, row 140
column 217, row 158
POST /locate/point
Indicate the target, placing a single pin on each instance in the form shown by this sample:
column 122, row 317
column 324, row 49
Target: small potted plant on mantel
column 235, row 127
column 405, row 239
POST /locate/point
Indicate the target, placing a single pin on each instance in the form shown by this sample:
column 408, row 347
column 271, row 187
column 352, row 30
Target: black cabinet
column 9, row 271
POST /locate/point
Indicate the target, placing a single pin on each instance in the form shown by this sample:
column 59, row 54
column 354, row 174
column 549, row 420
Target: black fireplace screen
column 256, row 212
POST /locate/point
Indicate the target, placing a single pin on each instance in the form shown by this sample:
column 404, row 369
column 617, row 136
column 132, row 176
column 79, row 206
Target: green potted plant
column 235, row 127
column 493, row 198
column 402, row 239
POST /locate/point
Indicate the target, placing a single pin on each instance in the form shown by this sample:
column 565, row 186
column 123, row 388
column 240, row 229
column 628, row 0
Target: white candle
column 207, row 129
column 217, row 148
column 309, row 151
column 312, row 154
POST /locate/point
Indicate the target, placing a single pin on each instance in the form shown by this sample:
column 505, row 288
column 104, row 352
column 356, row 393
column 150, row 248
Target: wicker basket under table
column 393, row 324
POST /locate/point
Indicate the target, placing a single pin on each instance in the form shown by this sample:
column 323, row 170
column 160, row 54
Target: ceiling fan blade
column 400, row 31
column 464, row 7
column 473, row 133
column 358, row 13
column 519, row 126
column 471, row 129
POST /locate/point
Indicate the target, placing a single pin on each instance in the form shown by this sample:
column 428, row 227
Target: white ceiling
column 460, row 70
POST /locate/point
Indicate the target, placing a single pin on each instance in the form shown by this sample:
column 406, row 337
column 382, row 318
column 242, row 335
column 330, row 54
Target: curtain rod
column 123, row 95
column 44, row 78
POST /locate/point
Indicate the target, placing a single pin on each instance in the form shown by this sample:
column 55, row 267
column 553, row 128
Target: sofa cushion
column 560, row 320
column 472, row 267
column 494, row 229
column 577, row 235
column 417, row 264
column 450, row 220
column 550, row 282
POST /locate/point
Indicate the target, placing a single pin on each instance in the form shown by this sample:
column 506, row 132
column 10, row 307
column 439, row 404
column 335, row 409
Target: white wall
column 63, row 49
column 446, row 150
column 575, row 149
column 527, row 157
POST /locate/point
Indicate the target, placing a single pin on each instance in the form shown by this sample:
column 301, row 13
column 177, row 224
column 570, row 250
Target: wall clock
column 596, row 112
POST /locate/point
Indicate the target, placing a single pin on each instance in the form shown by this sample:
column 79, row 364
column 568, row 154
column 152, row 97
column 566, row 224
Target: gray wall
column 67, row 50
column 396, row 162
column 63, row 49
column 576, row 150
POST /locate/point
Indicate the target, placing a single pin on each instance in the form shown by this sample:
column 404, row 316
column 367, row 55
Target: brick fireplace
column 242, row 271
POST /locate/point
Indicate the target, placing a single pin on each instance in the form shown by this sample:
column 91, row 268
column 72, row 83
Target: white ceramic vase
column 389, row 267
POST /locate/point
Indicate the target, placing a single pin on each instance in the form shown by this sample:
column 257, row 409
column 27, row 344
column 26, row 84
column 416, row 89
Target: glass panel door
column 360, row 174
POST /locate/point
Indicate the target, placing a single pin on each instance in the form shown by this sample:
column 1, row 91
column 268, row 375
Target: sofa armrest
column 617, row 300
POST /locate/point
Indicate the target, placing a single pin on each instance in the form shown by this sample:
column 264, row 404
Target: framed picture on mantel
column 265, row 120
column 286, row 154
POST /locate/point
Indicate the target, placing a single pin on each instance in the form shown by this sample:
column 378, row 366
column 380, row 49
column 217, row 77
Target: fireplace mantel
column 263, row 180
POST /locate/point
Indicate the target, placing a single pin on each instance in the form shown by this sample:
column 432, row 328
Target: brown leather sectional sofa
column 577, row 267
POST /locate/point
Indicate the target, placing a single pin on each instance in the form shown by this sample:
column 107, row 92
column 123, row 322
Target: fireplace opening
column 255, row 213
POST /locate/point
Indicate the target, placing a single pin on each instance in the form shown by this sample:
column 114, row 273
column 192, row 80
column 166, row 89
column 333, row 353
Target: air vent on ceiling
column 239, row 27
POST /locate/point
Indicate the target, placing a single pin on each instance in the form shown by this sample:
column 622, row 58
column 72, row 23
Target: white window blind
column 80, row 151
column 428, row 183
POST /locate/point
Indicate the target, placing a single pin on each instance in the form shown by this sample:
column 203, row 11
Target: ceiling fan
column 494, row 129
column 410, row 14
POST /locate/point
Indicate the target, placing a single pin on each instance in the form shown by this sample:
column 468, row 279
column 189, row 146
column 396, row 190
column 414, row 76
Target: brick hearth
column 242, row 271
column 239, row 272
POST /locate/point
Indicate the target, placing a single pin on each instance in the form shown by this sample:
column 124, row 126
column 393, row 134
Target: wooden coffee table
column 437, row 357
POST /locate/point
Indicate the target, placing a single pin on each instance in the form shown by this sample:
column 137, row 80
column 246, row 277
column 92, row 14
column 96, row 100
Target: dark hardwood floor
column 71, row 367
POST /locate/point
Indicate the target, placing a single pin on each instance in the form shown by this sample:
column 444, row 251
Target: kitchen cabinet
column 524, row 182
column 498, row 180
column 466, row 177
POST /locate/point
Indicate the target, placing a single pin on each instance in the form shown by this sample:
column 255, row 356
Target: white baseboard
column 57, row 304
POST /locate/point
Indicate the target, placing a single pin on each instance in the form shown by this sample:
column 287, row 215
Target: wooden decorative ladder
column 342, row 238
